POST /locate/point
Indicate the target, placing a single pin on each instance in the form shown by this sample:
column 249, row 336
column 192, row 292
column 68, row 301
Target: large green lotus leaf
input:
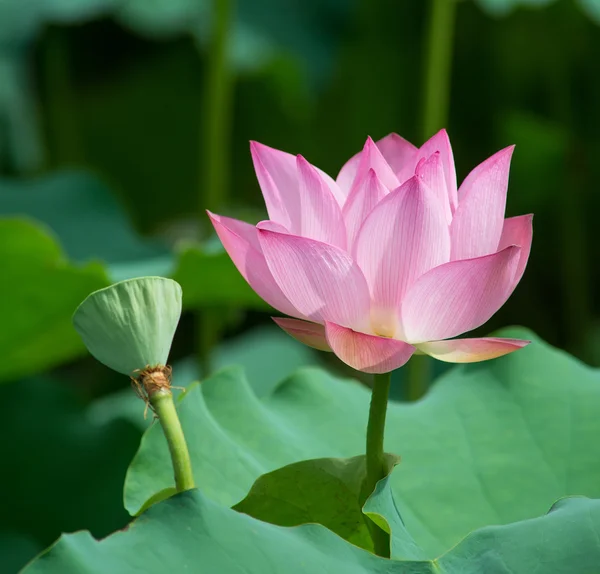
column 62, row 468
column 130, row 325
column 563, row 541
column 266, row 353
column 491, row 443
column 191, row 533
column 40, row 291
column 88, row 221
column 327, row 491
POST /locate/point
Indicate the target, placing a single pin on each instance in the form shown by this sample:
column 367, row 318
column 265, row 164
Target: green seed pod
column 130, row 325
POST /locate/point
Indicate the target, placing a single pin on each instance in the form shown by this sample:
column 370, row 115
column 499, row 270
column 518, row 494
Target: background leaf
column 492, row 443
column 63, row 468
column 502, row 7
column 88, row 221
column 210, row 278
column 39, row 295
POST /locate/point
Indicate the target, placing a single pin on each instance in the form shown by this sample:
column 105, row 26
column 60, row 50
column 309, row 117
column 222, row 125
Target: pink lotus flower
column 390, row 258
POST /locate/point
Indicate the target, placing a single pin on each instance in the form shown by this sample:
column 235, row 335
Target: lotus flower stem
column 162, row 403
column 157, row 387
column 376, row 463
column 436, row 90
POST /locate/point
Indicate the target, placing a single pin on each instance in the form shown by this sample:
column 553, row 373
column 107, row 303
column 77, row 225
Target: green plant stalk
column 217, row 116
column 376, row 463
column 164, row 407
column 436, row 97
column 63, row 137
column 575, row 254
column 215, row 129
column 418, row 376
column 436, row 88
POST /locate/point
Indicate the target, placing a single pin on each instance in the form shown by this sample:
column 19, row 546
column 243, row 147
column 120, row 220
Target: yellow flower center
column 384, row 323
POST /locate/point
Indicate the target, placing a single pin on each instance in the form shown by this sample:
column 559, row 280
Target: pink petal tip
column 367, row 353
column 471, row 350
column 311, row 334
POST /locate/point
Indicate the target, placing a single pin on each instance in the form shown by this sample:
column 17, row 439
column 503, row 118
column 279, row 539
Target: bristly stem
column 376, row 463
column 164, row 407
column 436, row 88
column 215, row 127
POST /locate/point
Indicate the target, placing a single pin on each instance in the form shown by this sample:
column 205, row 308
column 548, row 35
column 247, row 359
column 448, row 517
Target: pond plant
column 494, row 470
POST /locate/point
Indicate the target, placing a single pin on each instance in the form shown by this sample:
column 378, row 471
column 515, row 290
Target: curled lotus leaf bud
column 130, row 325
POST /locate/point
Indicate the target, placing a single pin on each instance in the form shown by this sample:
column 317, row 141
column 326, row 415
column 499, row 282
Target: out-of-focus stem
column 215, row 149
column 436, row 97
column 436, row 87
column 64, row 145
column 376, row 464
column 216, row 120
column 571, row 222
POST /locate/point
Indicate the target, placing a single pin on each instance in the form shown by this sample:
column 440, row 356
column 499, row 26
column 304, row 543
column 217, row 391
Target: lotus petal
column 471, row 350
column 458, row 296
column 240, row 240
column 320, row 280
column 367, row 353
column 405, row 236
column 479, row 218
column 311, row 334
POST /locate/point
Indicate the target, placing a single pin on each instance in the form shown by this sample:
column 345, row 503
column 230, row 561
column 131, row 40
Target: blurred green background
column 122, row 120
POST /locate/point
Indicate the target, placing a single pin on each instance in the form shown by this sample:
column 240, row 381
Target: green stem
column 418, row 375
column 574, row 256
column 436, row 96
column 217, row 116
column 215, row 160
column 376, row 463
column 164, row 407
column 436, row 89
column 63, row 137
